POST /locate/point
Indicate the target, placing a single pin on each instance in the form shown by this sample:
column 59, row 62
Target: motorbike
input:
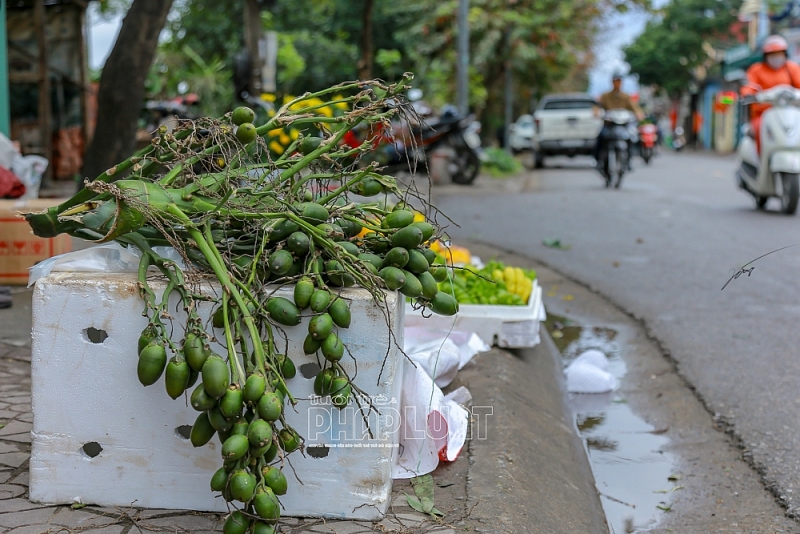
column 615, row 154
column 406, row 146
column 648, row 136
column 678, row 139
column 774, row 172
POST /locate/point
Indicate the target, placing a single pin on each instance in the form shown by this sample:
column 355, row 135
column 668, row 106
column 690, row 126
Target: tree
column 122, row 85
column 367, row 50
column 672, row 45
column 542, row 41
column 547, row 44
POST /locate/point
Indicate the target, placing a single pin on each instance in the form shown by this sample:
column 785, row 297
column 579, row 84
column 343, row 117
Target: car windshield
column 569, row 104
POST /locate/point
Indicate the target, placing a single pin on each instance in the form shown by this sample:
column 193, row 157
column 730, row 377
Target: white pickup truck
column 565, row 124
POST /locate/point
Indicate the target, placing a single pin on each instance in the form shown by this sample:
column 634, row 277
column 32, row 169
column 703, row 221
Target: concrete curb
column 529, row 470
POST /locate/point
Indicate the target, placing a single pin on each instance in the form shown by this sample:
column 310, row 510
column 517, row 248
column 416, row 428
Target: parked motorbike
column 775, row 170
column 615, row 154
column 648, row 137
column 408, row 146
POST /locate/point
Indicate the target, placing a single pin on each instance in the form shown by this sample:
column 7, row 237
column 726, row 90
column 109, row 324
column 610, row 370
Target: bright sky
column 102, row 35
column 619, row 31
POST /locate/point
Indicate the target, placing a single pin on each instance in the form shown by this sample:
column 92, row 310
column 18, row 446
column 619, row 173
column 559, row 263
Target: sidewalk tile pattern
column 18, row 515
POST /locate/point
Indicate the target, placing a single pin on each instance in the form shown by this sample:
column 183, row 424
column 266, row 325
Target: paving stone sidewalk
column 18, row 515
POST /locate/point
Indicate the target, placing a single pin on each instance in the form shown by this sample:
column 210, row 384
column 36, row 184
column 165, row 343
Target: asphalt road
column 662, row 247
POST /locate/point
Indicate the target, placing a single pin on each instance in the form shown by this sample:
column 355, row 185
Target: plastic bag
column 29, row 170
column 8, row 152
column 441, row 354
column 587, row 374
column 433, row 427
column 105, row 258
column 10, row 185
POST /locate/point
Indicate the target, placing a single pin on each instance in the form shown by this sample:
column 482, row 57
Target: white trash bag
column 587, row 374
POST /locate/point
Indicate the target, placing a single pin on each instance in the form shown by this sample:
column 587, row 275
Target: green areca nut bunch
column 252, row 224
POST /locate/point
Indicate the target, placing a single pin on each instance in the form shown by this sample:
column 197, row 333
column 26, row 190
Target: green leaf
column 414, row 503
column 423, row 488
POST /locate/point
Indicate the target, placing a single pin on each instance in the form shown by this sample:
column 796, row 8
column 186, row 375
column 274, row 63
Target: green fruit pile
column 493, row 284
column 252, row 224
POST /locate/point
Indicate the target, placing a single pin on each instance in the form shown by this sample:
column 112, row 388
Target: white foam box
column 504, row 326
column 88, row 392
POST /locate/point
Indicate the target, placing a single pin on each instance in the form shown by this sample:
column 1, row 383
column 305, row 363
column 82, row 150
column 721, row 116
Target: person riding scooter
column 775, row 69
column 614, row 99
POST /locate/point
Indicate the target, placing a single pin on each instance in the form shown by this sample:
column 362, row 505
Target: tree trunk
column 252, row 34
column 365, row 63
column 121, row 92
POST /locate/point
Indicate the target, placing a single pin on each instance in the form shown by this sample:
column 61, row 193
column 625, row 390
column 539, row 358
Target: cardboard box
column 19, row 248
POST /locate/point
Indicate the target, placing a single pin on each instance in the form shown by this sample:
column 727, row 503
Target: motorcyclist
column 775, row 69
column 614, row 99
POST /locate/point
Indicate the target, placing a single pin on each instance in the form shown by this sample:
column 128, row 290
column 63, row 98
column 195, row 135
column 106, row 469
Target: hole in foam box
column 94, row 335
column 91, row 449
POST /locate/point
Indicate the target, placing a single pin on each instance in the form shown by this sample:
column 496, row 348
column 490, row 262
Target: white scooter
column 774, row 172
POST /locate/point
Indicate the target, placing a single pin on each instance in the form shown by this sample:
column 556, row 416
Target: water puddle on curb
column 633, row 474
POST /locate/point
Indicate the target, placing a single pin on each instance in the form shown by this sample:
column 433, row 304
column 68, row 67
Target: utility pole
column 5, row 112
column 462, row 66
column 508, row 94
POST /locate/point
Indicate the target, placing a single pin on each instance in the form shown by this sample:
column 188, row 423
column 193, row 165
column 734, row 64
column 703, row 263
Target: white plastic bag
column 433, row 426
column 29, row 170
column 104, row 258
column 592, row 357
column 587, row 374
column 439, row 359
column 8, row 152
column 441, row 354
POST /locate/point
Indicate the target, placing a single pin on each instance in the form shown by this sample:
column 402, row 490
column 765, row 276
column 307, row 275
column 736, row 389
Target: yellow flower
column 276, row 147
column 452, row 254
column 340, row 105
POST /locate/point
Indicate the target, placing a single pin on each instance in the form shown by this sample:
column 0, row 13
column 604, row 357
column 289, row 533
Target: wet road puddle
column 633, row 474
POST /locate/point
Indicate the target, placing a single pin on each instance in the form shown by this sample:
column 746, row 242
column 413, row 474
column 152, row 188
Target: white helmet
column 774, row 43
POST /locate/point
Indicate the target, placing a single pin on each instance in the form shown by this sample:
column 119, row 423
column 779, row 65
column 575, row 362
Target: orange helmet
column 774, row 43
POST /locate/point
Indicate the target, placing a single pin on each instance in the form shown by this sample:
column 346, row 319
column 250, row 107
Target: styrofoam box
column 504, row 326
column 88, row 392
